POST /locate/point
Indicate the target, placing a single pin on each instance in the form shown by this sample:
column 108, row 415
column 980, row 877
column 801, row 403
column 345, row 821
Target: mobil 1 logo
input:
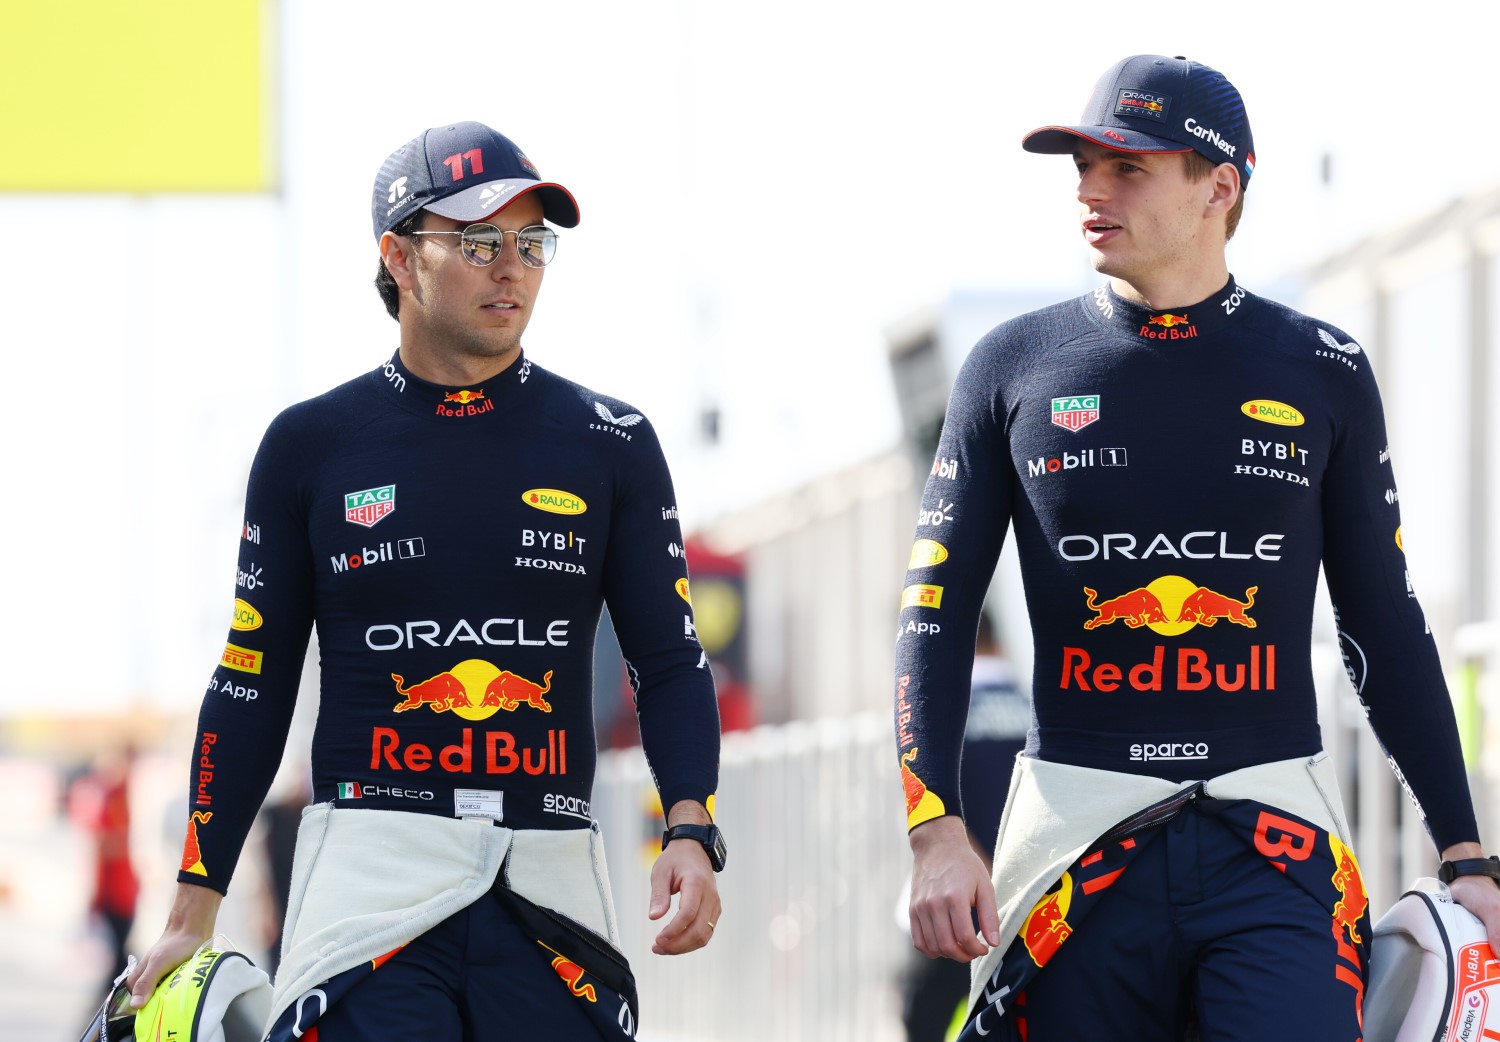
column 1044, row 465
column 366, row 556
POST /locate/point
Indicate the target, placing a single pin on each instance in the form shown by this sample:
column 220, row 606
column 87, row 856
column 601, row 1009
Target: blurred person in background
column 453, row 522
column 1178, row 457
column 935, row 990
column 101, row 804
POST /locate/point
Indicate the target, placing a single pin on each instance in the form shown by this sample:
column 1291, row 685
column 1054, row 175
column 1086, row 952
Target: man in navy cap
column 453, row 522
column 1179, row 458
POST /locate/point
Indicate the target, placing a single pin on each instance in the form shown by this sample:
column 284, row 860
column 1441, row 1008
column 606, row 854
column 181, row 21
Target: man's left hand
column 683, row 869
column 1479, row 894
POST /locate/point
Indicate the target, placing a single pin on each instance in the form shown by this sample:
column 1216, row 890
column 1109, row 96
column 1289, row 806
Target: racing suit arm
column 1392, row 659
column 247, row 710
column 646, row 589
column 966, row 508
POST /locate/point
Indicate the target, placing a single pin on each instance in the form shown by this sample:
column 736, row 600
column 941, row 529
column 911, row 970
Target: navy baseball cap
column 465, row 171
column 1148, row 103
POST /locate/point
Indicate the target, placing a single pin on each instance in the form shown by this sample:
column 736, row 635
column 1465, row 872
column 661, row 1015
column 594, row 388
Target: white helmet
column 1433, row 975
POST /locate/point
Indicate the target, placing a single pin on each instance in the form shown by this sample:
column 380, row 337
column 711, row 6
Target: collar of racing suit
column 1168, row 326
column 499, row 395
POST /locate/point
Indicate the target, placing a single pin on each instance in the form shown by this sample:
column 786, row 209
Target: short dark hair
column 1201, row 168
column 385, row 285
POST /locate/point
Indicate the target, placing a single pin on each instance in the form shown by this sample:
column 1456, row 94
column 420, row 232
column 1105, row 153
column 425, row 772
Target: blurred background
column 797, row 218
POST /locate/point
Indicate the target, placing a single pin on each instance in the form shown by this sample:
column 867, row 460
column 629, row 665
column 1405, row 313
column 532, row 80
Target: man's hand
column 1479, row 894
column 190, row 923
column 948, row 883
column 684, row 869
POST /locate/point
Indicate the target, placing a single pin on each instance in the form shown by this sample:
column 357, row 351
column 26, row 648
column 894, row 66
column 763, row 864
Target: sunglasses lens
column 536, row 245
column 482, row 243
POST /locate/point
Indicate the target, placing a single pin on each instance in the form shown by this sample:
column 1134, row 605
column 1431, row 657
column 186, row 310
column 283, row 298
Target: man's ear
column 396, row 255
column 1226, row 188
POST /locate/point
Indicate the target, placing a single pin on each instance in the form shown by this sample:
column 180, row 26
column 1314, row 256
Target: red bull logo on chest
column 1075, row 411
column 475, row 690
column 1171, row 606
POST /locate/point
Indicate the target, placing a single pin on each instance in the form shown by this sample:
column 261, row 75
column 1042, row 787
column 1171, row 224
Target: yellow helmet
column 217, row 995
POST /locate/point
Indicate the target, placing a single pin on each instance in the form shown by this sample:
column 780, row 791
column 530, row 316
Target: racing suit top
column 1175, row 478
column 454, row 546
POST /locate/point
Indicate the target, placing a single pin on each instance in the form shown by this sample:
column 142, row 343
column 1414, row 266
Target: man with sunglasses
column 453, row 522
column 1179, row 457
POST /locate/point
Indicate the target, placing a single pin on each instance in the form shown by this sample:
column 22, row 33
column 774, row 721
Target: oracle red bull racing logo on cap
column 475, row 690
column 1131, row 102
column 370, row 505
column 1074, row 412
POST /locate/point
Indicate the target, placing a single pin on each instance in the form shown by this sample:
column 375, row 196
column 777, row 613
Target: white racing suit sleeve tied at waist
column 365, row 882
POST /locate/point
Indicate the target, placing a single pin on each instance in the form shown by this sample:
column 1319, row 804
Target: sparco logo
column 572, row 806
column 1192, row 126
column 1169, row 751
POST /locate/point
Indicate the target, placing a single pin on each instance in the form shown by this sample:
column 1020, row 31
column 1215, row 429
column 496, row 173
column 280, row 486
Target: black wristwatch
column 709, row 835
column 1448, row 871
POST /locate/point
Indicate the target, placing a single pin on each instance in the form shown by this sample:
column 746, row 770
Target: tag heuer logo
column 367, row 507
column 1076, row 411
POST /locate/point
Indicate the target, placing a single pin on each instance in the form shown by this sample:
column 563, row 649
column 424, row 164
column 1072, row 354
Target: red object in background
column 717, row 587
column 116, row 885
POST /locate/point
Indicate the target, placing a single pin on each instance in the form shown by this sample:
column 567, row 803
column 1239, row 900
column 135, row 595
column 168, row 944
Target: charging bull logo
column 1170, row 605
column 1046, row 926
column 1136, row 608
column 1168, row 320
column 1348, row 911
column 192, row 854
column 475, row 690
column 1207, row 607
column 921, row 805
column 572, row 975
column 1353, row 902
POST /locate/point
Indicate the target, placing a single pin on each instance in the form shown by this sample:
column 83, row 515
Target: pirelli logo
column 242, row 659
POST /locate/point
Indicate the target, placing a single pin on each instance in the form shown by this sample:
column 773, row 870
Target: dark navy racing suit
column 454, row 547
column 1175, row 479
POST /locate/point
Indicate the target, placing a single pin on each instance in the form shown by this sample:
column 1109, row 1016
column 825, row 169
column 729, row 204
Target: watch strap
column 1448, row 871
column 708, row 835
